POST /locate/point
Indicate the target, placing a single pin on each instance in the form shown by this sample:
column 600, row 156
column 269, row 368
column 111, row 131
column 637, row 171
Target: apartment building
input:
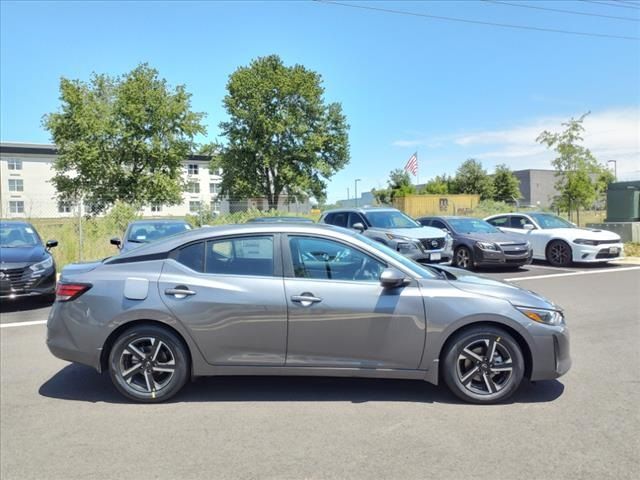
column 26, row 190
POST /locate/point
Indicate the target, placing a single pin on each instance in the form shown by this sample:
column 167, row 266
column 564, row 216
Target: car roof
column 157, row 220
column 364, row 209
column 15, row 222
column 279, row 219
column 174, row 241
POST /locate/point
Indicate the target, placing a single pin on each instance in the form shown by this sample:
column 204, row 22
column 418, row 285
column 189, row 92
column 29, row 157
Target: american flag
column 412, row 165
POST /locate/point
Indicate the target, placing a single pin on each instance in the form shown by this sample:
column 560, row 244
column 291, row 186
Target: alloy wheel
column 559, row 253
column 463, row 259
column 484, row 366
column 147, row 364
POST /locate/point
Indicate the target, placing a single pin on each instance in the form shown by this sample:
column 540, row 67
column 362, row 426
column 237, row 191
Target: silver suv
column 396, row 230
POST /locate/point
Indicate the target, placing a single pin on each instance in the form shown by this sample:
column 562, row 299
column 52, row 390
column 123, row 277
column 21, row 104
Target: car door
column 340, row 315
column 228, row 292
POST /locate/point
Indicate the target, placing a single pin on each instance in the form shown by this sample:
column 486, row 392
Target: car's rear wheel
column 483, row 364
column 559, row 253
column 148, row 363
column 463, row 258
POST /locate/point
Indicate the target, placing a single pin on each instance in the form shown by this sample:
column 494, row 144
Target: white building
column 26, row 190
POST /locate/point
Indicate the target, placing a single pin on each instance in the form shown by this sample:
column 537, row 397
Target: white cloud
column 612, row 134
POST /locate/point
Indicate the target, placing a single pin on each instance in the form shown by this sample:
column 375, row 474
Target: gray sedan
column 295, row 299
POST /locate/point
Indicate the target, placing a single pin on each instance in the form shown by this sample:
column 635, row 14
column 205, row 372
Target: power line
column 477, row 22
column 629, row 19
column 611, row 4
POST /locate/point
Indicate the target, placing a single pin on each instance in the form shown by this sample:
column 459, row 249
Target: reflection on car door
column 339, row 314
column 229, row 294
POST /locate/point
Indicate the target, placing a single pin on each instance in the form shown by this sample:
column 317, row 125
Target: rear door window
column 499, row 221
column 192, row 256
column 240, row 256
column 340, row 219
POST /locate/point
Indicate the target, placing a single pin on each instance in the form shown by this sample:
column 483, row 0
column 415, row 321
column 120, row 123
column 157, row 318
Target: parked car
column 27, row 267
column 279, row 220
column 140, row 232
column 396, row 230
column 558, row 241
column 297, row 299
column 477, row 243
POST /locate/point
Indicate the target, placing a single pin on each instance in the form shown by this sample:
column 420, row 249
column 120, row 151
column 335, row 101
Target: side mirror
column 575, row 225
column 528, row 226
column 115, row 241
column 358, row 226
column 52, row 243
column 392, row 278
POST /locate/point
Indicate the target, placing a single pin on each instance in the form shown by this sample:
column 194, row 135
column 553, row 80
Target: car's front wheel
column 148, row 363
column 463, row 258
column 559, row 253
column 483, row 364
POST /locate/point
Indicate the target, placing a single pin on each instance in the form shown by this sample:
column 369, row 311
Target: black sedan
column 477, row 243
column 26, row 265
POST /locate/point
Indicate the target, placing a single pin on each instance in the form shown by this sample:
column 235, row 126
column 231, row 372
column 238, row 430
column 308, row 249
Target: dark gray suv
column 396, row 230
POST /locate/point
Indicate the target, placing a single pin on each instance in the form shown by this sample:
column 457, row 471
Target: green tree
column 506, row 186
column 122, row 138
column 574, row 165
column 439, row 185
column 281, row 136
column 472, row 178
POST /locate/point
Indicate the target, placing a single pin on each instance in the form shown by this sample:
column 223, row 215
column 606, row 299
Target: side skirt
column 211, row 370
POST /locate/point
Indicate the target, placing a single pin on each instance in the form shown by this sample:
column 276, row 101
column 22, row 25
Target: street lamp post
column 356, row 190
column 615, row 168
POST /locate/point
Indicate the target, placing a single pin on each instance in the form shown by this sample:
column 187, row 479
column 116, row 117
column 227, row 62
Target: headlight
column 548, row 317
column 42, row 266
column 487, row 246
column 584, row 241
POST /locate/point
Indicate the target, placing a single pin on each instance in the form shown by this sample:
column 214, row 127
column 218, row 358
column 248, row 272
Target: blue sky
column 445, row 89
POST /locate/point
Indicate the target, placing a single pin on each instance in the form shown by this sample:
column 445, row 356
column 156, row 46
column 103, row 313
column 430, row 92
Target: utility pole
column 348, row 197
column 356, row 191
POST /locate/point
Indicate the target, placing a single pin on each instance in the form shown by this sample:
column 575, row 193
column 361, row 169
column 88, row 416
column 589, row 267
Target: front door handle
column 306, row 299
column 179, row 292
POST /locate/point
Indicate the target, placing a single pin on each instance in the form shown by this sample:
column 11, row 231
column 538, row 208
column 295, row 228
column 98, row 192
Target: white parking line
column 571, row 274
column 557, row 269
column 22, row 324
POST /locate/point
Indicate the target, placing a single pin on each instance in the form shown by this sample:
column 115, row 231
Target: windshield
column 471, row 225
column 15, row 236
column 421, row 271
column 546, row 220
column 149, row 232
column 391, row 219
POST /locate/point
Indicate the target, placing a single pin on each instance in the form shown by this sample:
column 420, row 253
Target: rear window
column 240, row 256
column 192, row 256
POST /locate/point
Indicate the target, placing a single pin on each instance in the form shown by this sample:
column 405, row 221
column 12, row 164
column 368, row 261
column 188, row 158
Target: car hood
column 416, row 233
column 586, row 233
column 16, row 257
column 488, row 287
column 496, row 237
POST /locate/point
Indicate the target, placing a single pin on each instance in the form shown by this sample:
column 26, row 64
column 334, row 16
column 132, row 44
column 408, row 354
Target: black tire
column 463, row 258
column 155, row 371
column 559, row 253
column 493, row 380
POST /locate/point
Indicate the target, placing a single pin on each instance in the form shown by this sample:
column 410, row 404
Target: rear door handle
column 306, row 299
column 179, row 292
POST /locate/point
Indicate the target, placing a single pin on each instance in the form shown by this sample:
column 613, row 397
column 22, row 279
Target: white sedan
column 558, row 241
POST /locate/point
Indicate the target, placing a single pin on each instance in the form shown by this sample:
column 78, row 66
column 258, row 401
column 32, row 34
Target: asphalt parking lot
column 65, row 421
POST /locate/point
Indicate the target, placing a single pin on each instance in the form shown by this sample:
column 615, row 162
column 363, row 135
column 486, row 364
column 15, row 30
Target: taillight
column 70, row 291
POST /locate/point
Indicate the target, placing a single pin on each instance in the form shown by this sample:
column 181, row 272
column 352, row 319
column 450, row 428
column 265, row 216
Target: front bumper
column 501, row 258
column 597, row 253
column 432, row 256
column 28, row 285
column 552, row 356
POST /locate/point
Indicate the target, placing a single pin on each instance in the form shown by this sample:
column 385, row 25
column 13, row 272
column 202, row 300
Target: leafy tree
column 574, row 165
column 506, row 186
column 382, row 196
column 472, row 178
column 281, row 136
column 439, row 185
column 122, row 138
column 603, row 179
